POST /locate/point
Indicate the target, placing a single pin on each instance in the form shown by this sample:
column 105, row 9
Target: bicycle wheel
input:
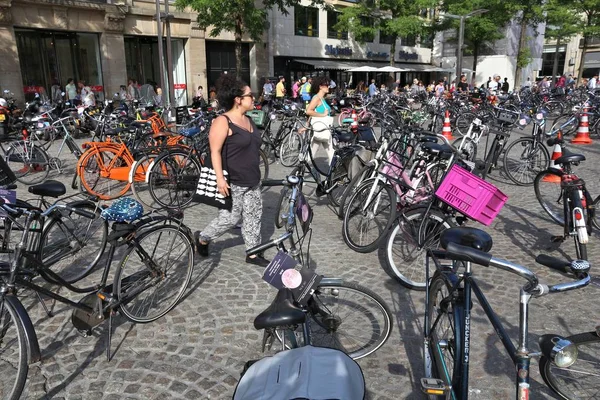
column 370, row 213
column 138, row 179
column 443, row 347
column 71, row 245
column 407, row 243
column 338, row 180
column 94, row 170
column 549, row 194
column 582, row 379
column 524, row 159
column 154, row 274
column 342, row 116
column 352, row 186
column 173, row 179
column 554, row 108
column 289, row 151
column 596, row 219
column 30, row 163
column 350, row 318
column 462, row 123
column 282, row 207
column 263, row 165
column 567, row 123
column 469, row 148
column 14, row 353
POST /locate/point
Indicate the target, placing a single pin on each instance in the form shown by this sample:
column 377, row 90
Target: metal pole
column 459, row 53
column 171, row 81
column 160, row 46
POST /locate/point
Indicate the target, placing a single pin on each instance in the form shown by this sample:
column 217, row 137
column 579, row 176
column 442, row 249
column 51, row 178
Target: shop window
column 386, row 39
column 449, row 49
column 332, row 20
column 368, row 37
column 410, row 40
column 306, row 21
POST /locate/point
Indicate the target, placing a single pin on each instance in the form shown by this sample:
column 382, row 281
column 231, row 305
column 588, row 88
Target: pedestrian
column 561, row 82
column 463, row 86
column 494, row 85
column 158, row 99
column 122, row 92
column 296, row 89
column 267, row 90
column 318, row 108
column 445, row 83
column 133, row 92
column 544, row 85
column 505, row 85
column 570, row 81
column 372, row 88
column 360, row 87
column 234, row 146
column 212, row 97
column 71, row 89
column 56, row 94
column 305, row 89
column 593, row 83
column 86, row 95
column 489, row 82
column 527, row 83
column 280, row 89
column 147, row 92
column 439, row 88
column 414, row 89
column 200, row 93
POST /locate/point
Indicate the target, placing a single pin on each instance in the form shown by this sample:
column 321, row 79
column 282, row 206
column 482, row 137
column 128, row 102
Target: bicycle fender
column 30, row 336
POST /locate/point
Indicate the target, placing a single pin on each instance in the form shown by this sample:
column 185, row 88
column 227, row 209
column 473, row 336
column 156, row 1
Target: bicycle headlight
column 559, row 350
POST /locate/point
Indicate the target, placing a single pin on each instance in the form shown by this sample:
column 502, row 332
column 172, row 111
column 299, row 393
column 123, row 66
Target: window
column 410, row 40
column 332, row 19
column 449, row 50
column 368, row 23
column 306, row 21
column 386, row 39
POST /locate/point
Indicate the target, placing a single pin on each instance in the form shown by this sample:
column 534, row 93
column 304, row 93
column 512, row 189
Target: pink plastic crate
column 471, row 195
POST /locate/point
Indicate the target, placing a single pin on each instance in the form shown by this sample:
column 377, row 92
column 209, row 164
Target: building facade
column 569, row 57
column 105, row 42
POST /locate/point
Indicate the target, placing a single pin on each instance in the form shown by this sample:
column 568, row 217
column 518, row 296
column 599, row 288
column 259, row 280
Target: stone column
column 10, row 69
column 112, row 54
column 195, row 60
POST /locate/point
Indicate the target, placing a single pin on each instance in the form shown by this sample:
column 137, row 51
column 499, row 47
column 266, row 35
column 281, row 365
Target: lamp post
column 461, row 36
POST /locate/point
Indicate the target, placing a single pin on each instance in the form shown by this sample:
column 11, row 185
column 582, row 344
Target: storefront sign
column 32, row 89
column 97, row 88
column 405, row 55
column 182, row 86
column 337, row 50
column 377, row 54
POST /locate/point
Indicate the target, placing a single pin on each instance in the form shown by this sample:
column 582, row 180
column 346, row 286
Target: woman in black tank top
column 234, row 146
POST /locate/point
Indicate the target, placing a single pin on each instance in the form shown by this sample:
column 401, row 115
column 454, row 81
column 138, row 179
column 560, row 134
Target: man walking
column 372, row 88
column 280, row 89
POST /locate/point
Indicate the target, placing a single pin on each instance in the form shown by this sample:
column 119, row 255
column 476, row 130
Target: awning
column 345, row 65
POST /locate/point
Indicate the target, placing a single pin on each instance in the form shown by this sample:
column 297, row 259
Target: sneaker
column 258, row 260
column 201, row 248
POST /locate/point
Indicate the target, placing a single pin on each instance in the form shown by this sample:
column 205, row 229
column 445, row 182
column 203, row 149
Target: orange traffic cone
column 583, row 131
column 354, row 124
column 556, row 153
column 446, row 129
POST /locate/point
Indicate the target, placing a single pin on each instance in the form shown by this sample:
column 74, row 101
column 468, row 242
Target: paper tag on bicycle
column 8, row 197
column 281, row 273
column 477, row 121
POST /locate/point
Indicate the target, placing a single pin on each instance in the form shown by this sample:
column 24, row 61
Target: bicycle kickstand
column 48, row 312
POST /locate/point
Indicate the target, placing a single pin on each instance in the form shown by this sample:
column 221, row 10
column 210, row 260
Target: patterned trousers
column 247, row 204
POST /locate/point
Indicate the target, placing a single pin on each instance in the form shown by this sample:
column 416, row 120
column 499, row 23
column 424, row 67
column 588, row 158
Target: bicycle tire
column 289, row 151
column 141, row 188
column 567, row 123
column 15, row 353
column 339, row 322
column 173, row 179
column 359, row 215
column 263, row 165
column 404, row 258
column 355, row 182
column 469, row 148
column 577, row 381
column 548, row 191
column 339, row 178
column 161, row 243
column 462, row 123
column 527, row 161
column 596, row 219
column 30, row 163
column 71, row 245
column 554, row 108
column 91, row 177
column 443, row 347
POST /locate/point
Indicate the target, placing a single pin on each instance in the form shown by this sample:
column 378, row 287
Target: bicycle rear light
column 559, row 350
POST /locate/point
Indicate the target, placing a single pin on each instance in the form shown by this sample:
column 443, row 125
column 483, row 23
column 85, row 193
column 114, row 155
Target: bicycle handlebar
column 19, row 211
column 267, row 245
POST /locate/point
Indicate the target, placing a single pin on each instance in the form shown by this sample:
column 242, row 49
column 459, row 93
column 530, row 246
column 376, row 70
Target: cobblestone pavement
column 198, row 350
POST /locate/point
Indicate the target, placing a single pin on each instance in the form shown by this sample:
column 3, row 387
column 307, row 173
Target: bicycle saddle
column 281, row 312
column 471, row 237
column 123, row 209
column 48, row 188
column 436, row 149
column 344, row 136
column 569, row 159
column 428, row 139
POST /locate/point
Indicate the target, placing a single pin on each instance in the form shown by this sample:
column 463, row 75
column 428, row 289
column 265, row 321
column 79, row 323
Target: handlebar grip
column 267, row 245
column 553, row 262
column 83, row 213
column 464, row 253
column 274, row 182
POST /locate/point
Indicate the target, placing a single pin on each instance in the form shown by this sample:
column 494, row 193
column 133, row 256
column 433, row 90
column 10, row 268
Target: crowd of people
column 148, row 93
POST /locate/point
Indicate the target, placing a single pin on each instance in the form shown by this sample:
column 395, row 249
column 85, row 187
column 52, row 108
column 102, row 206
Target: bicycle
column 447, row 322
column 159, row 248
column 553, row 186
column 337, row 314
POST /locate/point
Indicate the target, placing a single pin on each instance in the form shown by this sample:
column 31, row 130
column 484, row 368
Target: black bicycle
column 447, row 329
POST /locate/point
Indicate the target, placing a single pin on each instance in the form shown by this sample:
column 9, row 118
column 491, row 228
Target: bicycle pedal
column 557, row 239
column 84, row 332
column 434, row 387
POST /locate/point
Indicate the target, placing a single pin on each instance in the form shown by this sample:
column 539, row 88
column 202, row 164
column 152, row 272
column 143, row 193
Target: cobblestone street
column 198, row 350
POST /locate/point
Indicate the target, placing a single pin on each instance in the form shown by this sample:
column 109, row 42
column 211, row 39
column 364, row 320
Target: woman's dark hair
column 317, row 82
column 69, row 80
column 228, row 88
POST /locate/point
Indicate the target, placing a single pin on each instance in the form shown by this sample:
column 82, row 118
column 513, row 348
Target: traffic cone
column 354, row 124
column 583, row 131
column 556, row 153
column 446, row 129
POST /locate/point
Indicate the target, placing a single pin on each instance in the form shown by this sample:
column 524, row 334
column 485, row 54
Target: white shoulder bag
column 321, row 127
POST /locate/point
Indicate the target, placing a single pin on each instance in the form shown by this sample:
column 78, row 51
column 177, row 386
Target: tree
column 590, row 10
column 242, row 17
column 480, row 30
column 561, row 24
column 394, row 18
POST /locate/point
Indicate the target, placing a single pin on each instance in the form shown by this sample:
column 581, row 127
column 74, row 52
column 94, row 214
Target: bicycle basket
column 471, row 195
column 507, row 116
column 396, row 159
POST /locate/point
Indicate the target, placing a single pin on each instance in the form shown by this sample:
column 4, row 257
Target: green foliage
column 524, row 57
column 561, row 21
